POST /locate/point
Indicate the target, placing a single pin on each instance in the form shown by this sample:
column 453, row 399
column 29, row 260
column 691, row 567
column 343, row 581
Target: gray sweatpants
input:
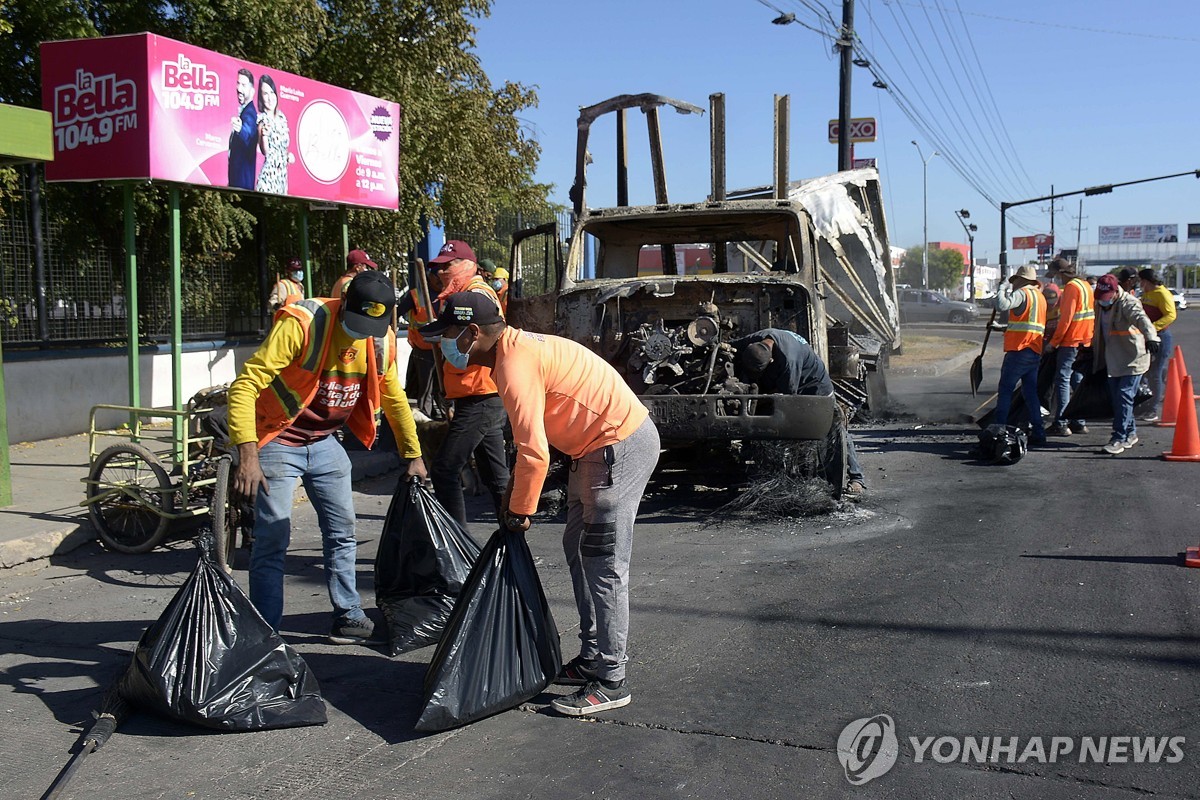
column 599, row 542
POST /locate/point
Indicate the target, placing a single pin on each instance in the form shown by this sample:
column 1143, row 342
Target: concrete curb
column 45, row 544
column 940, row 368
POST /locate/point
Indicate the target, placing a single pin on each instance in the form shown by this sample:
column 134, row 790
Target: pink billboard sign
column 144, row 106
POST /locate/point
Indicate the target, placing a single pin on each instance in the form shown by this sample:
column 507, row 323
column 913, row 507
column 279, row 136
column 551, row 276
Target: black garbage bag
column 1092, row 400
column 1001, row 444
column 211, row 659
column 424, row 558
column 500, row 647
column 1018, row 413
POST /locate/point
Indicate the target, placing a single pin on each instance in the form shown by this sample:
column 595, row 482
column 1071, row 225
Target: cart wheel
column 131, row 496
column 226, row 519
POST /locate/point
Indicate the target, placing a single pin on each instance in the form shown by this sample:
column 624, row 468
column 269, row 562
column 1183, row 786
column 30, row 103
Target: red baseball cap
column 357, row 257
column 452, row 250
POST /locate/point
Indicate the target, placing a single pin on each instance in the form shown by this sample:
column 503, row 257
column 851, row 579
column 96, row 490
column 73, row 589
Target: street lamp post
column 970, row 229
column 925, row 213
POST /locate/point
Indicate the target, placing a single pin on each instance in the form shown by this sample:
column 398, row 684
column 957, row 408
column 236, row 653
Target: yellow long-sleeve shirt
column 282, row 346
column 1159, row 299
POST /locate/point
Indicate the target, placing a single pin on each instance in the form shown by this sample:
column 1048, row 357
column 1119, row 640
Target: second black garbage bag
column 212, row 660
column 423, row 560
column 500, row 647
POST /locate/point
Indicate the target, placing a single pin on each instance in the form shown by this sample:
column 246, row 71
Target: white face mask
column 298, row 276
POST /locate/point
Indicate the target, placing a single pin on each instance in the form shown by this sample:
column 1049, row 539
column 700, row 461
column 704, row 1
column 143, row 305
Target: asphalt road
column 1045, row 599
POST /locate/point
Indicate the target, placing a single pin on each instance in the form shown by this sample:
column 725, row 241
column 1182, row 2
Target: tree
column 945, row 268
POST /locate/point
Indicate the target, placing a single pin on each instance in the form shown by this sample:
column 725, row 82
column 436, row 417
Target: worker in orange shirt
column 1076, row 323
column 560, row 394
column 356, row 261
column 477, row 423
column 421, row 364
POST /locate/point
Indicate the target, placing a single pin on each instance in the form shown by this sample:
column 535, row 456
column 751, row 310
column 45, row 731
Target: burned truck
column 663, row 292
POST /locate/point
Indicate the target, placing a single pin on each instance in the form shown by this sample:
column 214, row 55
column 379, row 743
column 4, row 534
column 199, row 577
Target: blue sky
column 1022, row 96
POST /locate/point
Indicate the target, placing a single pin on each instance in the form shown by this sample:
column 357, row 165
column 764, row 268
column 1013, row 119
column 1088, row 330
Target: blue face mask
column 1105, row 303
column 457, row 358
column 298, row 277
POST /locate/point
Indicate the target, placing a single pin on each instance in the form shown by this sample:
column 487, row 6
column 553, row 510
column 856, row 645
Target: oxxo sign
column 862, row 129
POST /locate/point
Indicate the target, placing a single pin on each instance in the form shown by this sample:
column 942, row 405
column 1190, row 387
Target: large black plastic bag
column 500, row 647
column 423, row 560
column 1092, row 400
column 211, row 659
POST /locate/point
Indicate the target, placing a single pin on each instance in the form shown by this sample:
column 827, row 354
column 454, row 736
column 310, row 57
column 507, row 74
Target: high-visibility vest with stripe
column 294, row 387
column 474, row 380
column 1027, row 329
column 293, row 291
column 1082, row 323
column 416, row 318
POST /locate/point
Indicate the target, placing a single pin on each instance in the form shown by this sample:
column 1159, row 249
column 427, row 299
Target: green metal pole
column 176, row 328
column 5, row 470
column 305, row 255
column 131, row 307
column 345, row 233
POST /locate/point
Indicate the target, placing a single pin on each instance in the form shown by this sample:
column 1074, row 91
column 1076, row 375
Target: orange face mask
column 456, row 277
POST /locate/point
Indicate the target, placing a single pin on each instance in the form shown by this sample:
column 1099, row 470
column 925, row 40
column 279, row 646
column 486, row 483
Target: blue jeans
column 1066, row 381
column 1122, row 390
column 1020, row 365
column 1156, row 378
column 325, row 469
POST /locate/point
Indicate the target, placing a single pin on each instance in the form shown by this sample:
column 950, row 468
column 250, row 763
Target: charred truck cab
column 662, row 292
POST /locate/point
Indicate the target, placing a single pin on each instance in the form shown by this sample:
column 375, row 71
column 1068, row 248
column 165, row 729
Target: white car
column 1180, row 300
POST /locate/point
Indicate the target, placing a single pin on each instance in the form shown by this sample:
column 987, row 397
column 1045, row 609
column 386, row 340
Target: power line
column 1063, row 26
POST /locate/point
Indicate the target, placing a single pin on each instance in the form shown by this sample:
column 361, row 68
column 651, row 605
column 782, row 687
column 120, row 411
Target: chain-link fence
column 83, row 276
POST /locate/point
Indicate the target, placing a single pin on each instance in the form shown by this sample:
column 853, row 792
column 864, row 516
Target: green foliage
column 458, row 131
column 945, row 268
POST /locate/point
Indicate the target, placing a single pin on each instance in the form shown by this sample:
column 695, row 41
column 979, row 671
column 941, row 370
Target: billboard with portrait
column 144, row 106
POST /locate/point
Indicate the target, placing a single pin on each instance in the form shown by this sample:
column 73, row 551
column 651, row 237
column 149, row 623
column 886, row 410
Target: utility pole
column 1079, row 228
column 846, row 45
column 924, row 213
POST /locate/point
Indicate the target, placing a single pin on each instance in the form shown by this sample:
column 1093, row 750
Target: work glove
column 515, row 523
column 1153, row 347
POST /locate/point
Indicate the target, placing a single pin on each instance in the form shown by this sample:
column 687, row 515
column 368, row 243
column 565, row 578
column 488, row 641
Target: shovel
column 977, row 364
column 113, row 711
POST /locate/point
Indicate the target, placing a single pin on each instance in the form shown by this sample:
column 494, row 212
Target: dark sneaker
column 1151, row 417
column 1078, row 427
column 1058, row 429
column 352, row 631
column 1115, row 447
column 576, row 672
column 594, row 697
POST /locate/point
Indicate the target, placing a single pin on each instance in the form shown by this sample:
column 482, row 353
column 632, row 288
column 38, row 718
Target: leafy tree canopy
column 945, row 268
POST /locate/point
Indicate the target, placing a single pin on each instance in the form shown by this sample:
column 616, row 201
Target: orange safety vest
column 416, row 318
column 1026, row 330
column 1082, row 324
column 474, row 380
column 295, row 386
column 294, row 294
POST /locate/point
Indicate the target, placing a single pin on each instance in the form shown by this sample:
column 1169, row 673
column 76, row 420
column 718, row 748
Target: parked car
column 1180, row 299
column 923, row 305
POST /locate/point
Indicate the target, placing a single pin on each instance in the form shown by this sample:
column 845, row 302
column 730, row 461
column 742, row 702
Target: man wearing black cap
column 327, row 362
column 782, row 362
column 1127, row 278
column 1159, row 305
column 477, row 424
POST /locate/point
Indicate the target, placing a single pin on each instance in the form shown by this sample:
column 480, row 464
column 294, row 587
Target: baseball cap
column 455, row 248
column 356, row 257
column 294, row 263
column 368, row 303
column 461, row 309
column 1106, row 285
column 1149, row 274
column 1125, row 273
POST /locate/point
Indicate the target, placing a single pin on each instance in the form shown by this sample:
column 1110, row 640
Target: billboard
column 1039, row 241
column 144, row 106
column 1193, row 230
column 1138, row 234
column 862, row 129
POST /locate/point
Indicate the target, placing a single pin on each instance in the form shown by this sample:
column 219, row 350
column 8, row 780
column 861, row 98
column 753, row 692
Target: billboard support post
column 305, row 256
column 176, row 327
column 345, row 217
column 131, row 308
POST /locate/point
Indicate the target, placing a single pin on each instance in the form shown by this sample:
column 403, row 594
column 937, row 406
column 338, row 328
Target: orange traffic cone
column 1171, row 396
column 1177, row 356
column 1186, row 445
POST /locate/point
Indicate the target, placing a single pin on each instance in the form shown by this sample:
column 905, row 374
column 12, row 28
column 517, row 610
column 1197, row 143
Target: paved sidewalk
column 46, row 519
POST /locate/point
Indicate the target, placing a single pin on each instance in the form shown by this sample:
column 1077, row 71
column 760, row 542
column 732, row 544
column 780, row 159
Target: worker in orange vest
column 477, row 424
column 1077, row 321
column 356, row 261
column 1022, row 298
column 288, row 289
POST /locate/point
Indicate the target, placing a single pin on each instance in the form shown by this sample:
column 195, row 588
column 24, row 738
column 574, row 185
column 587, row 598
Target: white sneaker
column 1131, row 441
column 1115, row 447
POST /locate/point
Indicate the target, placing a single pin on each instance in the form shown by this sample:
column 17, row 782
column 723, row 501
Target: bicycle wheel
column 224, row 517
column 130, row 494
